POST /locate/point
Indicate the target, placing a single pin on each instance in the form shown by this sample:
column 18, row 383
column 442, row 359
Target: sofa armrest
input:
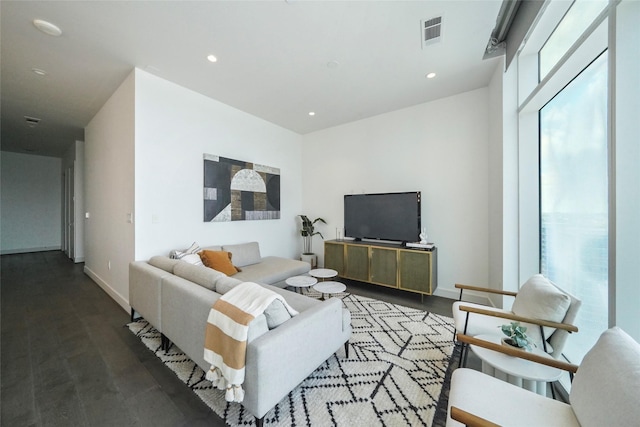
column 145, row 290
column 282, row 358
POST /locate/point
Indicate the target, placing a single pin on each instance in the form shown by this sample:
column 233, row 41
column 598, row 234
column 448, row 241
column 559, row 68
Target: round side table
column 523, row 373
column 329, row 287
column 301, row 282
column 323, row 273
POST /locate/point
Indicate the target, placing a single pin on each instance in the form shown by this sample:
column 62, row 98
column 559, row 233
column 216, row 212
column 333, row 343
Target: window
column 581, row 14
column 574, row 199
column 564, row 144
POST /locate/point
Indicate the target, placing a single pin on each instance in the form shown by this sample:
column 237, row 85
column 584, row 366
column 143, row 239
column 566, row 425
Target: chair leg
column 346, row 349
column 259, row 421
column 464, row 350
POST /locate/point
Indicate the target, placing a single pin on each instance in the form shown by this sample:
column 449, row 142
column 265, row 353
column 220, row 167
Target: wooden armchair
column 546, row 310
column 604, row 392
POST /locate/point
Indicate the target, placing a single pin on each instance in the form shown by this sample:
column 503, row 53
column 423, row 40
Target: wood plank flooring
column 67, row 359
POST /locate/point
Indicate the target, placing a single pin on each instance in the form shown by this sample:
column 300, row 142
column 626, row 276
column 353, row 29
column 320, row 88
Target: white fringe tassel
column 233, row 393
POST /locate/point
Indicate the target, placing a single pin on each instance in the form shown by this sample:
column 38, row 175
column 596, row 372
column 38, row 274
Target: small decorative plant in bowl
column 516, row 336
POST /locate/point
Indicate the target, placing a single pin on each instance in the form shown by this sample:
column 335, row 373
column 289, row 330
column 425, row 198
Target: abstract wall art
column 237, row 191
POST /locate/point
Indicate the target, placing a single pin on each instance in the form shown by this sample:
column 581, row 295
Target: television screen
column 386, row 216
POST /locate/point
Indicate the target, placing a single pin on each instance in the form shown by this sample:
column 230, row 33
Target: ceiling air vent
column 32, row 121
column 431, row 31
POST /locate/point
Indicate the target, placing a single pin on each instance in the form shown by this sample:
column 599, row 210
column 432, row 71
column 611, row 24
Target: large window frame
column 533, row 94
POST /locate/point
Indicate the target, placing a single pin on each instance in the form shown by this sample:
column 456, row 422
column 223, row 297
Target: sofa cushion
column 276, row 314
column 244, row 254
column 605, row 389
column 539, row 299
column 199, row 274
column 162, row 262
column 272, row 270
column 219, row 260
column 226, row 283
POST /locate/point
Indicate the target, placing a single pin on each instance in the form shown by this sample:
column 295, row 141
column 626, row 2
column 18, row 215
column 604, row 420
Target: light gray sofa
column 175, row 297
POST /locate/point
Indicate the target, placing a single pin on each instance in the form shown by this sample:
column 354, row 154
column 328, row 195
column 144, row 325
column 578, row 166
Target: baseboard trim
column 30, row 250
column 469, row 296
column 116, row 296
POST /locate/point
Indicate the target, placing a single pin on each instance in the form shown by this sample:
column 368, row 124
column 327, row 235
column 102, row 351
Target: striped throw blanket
column 227, row 328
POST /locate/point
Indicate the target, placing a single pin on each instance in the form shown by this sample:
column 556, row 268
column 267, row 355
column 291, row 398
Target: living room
column 143, row 154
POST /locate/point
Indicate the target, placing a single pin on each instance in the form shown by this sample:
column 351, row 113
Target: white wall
column 627, row 172
column 74, row 158
column 109, row 193
column 174, row 128
column 496, row 187
column 31, row 198
column 440, row 148
column 145, row 149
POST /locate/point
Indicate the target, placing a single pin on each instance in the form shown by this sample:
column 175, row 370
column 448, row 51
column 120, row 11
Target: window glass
column 574, row 199
column 581, row 14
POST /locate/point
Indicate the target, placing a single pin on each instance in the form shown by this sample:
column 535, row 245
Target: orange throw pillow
column 218, row 260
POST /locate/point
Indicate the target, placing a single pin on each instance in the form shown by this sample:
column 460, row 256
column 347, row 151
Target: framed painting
column 235, row 190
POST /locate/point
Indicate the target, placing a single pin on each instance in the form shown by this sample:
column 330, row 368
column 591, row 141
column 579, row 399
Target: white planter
column 310, row 258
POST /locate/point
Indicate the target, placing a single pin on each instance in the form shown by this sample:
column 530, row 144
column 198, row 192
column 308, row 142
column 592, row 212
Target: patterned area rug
column 399, row 359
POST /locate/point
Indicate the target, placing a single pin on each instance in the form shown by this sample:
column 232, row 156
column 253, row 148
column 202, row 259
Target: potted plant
column 516, row 336
column 307, row 232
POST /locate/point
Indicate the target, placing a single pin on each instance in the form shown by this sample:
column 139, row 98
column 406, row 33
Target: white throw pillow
column 276, row 314
column 192, row 259
column 180, row 253
column 605, row 390
column 539, row 299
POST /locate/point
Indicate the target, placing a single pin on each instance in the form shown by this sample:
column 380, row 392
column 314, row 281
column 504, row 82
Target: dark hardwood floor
column 68, row 360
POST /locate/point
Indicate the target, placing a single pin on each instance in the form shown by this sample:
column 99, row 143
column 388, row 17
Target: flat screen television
column 383, row 216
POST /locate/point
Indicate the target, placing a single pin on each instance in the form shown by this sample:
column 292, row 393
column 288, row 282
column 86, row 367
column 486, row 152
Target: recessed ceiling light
column 312, row 113
column 430, row 75
column 47, row 27
column 212, row 58
column 39, row 72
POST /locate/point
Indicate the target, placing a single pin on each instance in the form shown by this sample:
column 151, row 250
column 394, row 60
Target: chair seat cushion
column 478, row 324
column 481, row 324
column 504, row 403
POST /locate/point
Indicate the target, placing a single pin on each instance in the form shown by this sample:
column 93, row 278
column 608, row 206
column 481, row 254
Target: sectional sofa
column 176, row 297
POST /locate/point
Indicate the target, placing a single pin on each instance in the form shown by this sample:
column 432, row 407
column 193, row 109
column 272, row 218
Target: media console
column 394, row 266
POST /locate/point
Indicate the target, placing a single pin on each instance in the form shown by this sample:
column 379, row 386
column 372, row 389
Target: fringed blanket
column 225, row 344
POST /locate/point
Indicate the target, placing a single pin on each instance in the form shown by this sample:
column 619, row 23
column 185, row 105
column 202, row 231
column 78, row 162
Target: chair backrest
column 605, row 390
column 559, row 337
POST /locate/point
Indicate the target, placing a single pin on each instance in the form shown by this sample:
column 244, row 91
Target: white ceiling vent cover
column 431, row 31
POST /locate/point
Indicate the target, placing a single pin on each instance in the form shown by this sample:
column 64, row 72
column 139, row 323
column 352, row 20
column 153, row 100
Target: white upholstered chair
column 547, row 311
column 604, row 391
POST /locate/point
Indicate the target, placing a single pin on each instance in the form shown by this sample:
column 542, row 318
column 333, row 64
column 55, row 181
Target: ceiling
column 277, row 60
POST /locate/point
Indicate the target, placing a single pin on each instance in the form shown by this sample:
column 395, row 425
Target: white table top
column 323, row 273
column 330, row 287
column 517, row 367
column 301, row 281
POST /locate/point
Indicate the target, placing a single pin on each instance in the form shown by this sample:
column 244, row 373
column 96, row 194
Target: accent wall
column 144, row 177
column 440, row 148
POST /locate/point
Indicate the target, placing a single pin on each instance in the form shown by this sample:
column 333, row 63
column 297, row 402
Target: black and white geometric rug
column 394, row 375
